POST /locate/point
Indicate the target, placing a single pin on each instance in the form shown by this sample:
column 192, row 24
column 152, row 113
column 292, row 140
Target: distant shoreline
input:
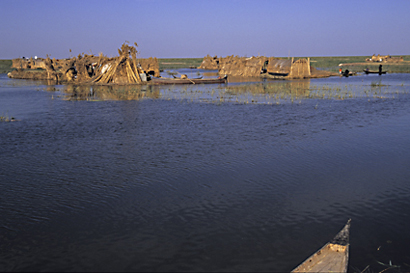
column 327, row 63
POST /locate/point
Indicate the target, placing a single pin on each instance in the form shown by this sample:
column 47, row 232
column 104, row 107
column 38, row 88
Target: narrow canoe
column 374, row 72
column 332, row 257
column 187, row 81
column 278, row 74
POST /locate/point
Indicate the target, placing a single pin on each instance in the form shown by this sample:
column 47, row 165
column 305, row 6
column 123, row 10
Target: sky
column 196, row 28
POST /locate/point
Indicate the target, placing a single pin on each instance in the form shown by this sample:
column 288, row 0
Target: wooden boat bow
column 332, row 257
column 342, row 238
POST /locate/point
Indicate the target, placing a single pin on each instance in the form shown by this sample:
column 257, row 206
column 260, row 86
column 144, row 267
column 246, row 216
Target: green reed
column 6, row 118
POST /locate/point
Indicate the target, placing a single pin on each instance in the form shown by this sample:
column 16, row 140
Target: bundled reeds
column 123, row 69
column 86, row 69
column 51, row 73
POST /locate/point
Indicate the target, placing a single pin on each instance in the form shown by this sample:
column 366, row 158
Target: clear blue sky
column 194, row 28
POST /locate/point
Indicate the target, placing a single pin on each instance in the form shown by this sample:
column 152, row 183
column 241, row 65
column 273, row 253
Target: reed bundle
column 122, row 65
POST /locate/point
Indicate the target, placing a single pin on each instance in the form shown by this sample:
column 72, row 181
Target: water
column 191, row 183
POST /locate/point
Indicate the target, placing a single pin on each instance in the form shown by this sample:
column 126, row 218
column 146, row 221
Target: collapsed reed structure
column 241, row 66
column 210, row 63
column 267, row 67
column 124, row 69
column 24, row 63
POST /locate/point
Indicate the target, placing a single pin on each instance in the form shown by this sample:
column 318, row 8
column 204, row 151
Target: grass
column 325, row 63
column 5, row 66
column 6, row 118
column 176, row 63
column 377, row 84
column 271, row 93
column 332, row 64
column 281, row 92
column 397, row 68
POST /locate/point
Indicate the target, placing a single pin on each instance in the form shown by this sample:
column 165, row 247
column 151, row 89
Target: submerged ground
column 236, row 177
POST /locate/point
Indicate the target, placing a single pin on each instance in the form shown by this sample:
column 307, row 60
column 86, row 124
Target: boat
column 278, row 74
column 332, row 257
column 374, row 72
column 175, row 77
column 348, row 74
column 187, row 81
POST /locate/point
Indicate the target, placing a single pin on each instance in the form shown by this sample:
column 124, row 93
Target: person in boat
column 380, row 69
column 346, row 73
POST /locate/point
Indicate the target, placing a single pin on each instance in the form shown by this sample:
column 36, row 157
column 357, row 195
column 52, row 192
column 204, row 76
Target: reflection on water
column 279, row 92
column 233, row 79
column 210, row 74
column 123, row 92
column 245, row 91
column 270, row 92
column 167, row 182
column 267, row 93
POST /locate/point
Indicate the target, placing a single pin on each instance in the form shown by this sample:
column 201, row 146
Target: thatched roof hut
column 241, row 66
column 300, row 69
column 210, row 63
column 279, row 66
column 24, row 63
column 124, row 69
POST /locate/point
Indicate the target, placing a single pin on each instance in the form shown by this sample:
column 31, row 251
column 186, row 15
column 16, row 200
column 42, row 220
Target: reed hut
column 124, row 69
column 150, row 66
column 300, row 69
column 279, row 67
column 24, row 63
column 210, row 63
column 260, row 66
column 242, row 66
column 120, row 70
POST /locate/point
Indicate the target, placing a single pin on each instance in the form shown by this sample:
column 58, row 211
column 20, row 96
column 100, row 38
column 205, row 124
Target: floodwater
column 236, row 177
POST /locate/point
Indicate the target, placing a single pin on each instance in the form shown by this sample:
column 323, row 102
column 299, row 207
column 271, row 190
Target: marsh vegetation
column 5, row 66
column 271, row 93
column 329, row 64
column 175, row 63
column 6, row 118
column 282, row 92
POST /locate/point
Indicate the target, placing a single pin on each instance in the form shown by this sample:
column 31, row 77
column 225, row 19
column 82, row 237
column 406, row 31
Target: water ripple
column 160, row 185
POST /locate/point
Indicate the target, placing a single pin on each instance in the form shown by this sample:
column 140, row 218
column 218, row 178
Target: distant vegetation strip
column 327, row 63
column 176, row 63
column 5, row 66
column 332, row 64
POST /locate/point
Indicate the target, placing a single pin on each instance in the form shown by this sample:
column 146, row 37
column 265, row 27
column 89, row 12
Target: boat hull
column 332, row 257
column 374, row 72
column 187, row 81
